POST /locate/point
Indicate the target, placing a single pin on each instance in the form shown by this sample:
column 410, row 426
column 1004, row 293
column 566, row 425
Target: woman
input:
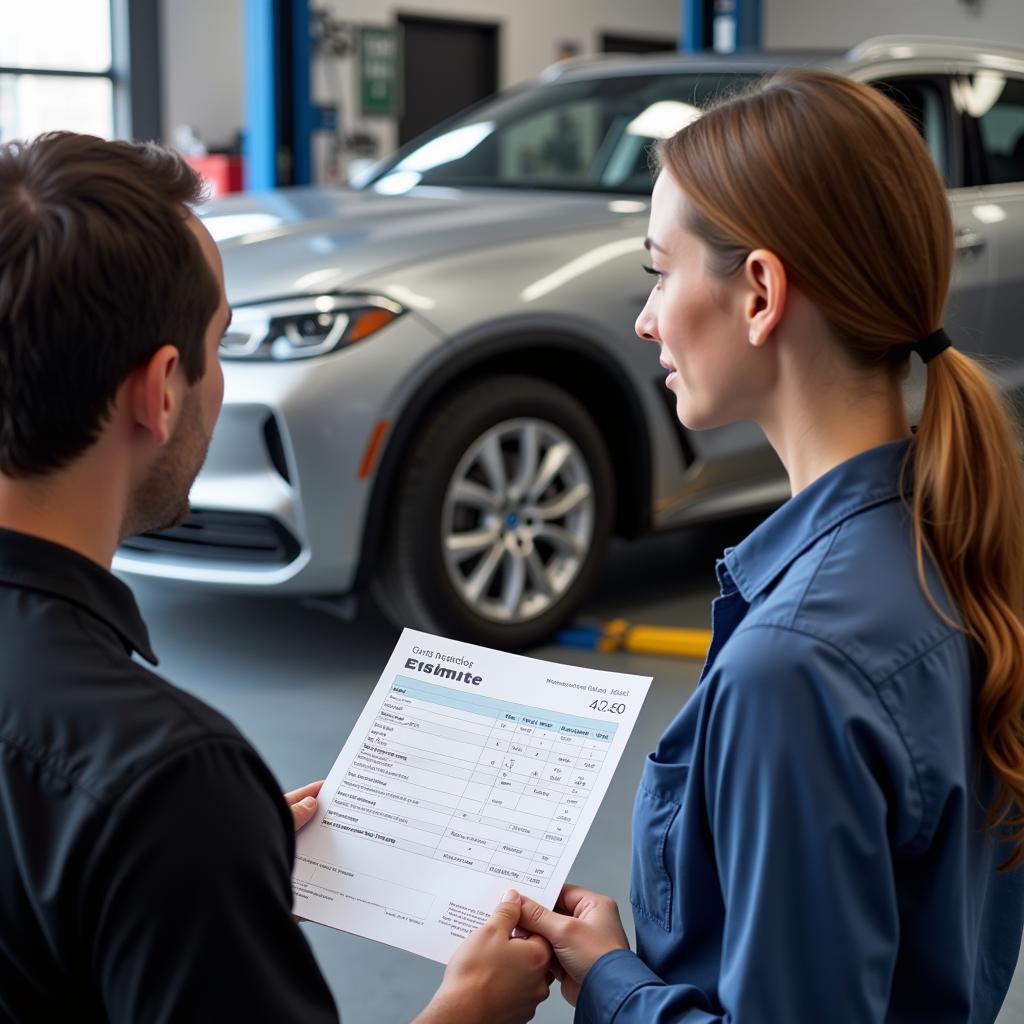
column 827, row 831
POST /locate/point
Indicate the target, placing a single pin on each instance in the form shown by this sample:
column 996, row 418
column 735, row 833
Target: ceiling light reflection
column 663, row 119
column 397, row 183
column 579, row 266
column 231, row 225
column 977, row 95
column 989, row 213
column 453, row 145
column 627, row 206
column 318, row 279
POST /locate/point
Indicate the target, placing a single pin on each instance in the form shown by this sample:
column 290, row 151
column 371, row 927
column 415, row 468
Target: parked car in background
column 433, row 388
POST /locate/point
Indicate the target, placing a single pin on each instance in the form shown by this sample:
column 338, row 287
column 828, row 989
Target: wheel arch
column 568, row 361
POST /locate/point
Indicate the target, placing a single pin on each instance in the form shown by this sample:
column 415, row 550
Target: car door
column 991, row 105
column 928, row 99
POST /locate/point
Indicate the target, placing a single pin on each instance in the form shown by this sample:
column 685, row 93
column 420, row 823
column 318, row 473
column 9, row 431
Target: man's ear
column 154, row 393
column 765, row 301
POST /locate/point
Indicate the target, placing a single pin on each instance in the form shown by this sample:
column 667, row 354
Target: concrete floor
column 294, row 680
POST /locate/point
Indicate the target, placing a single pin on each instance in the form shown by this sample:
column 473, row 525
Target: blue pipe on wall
column 260, row 146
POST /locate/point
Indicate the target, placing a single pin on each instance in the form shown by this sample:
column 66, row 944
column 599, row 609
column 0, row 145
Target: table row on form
column 460, row 846
column 475, row 709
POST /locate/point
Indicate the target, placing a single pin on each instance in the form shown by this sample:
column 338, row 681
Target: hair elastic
column 936, row 342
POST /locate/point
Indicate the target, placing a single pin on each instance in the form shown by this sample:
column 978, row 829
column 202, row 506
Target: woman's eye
column 655, row 273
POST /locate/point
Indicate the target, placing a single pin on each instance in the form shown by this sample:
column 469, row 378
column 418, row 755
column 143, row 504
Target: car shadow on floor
column 665, row 579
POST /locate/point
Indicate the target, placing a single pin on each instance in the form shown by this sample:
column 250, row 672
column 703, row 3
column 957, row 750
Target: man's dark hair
column 98, row 270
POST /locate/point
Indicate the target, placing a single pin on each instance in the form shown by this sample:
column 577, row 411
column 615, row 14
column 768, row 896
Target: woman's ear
column 765, row 300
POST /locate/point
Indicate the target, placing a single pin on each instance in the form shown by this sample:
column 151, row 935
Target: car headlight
column 306, row 327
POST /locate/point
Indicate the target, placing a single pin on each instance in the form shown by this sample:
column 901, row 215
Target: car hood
column 313, row 240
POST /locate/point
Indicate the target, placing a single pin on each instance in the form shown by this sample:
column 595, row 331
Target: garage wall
column 201, row 67
column 814, row 24
column 529, row 36
column 530, row 29
column 203, row 61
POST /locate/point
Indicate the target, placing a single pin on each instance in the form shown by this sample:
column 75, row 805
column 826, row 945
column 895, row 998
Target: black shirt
column 145, row 849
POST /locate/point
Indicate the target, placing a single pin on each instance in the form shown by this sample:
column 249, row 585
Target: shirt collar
column 37, row 564
column 869, row 479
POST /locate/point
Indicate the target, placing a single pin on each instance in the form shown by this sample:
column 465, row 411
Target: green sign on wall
column 378, row 70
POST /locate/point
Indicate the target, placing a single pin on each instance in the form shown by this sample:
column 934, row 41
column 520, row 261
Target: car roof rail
column 670, row 61
column 560, row 67
column 906, row 47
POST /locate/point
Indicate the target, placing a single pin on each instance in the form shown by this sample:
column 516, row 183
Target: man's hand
column 583, row 927
column 303, row 803
column 493, row 978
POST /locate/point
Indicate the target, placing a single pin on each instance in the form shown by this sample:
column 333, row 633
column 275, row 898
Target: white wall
column 203, row 51
column 201, row 67
column 839, row 24
column 530, row 29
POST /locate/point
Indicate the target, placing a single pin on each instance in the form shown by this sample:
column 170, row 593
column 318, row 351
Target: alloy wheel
column 518, row 520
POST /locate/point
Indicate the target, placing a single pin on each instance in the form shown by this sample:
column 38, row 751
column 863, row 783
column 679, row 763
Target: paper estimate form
column 468, row 772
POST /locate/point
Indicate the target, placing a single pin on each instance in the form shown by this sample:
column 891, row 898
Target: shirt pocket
column 657, row 806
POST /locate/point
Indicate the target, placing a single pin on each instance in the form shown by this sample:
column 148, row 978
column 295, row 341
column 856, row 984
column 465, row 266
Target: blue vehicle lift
column 280, row 117
column 696, row 30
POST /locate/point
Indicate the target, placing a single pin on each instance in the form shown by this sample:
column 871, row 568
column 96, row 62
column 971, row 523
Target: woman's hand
column 493, row 978
column 583, row 927
column 303, row 803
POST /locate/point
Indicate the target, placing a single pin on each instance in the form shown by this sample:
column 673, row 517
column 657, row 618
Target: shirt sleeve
column 801, row 767
column 188, row 906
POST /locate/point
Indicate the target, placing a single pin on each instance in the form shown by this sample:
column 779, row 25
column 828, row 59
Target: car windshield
column 590, row 135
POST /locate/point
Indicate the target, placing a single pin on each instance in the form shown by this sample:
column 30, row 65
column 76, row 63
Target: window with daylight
column 56, row 67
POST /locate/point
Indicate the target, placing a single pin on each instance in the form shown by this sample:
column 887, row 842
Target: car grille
column 220, row 536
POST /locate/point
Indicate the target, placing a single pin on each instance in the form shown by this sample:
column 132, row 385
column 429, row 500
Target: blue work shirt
column 808, row 837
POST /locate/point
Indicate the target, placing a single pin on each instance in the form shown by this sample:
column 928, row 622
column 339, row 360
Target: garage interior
column 257, row 104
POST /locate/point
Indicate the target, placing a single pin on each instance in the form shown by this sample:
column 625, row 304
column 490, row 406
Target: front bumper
column 280, row 503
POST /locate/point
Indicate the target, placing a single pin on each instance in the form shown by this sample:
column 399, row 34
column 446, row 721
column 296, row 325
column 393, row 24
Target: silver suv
column 433, row 386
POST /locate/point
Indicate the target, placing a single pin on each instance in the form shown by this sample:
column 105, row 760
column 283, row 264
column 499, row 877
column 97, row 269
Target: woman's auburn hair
column 832, row 177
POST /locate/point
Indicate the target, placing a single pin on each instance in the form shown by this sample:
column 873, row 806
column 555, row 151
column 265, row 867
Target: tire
column 499, row 522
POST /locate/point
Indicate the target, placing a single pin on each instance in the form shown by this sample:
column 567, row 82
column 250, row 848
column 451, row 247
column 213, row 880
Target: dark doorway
column 616, row 43
column 447, row 65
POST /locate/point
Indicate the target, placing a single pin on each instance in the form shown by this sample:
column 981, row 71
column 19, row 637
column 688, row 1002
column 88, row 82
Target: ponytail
column 968, row 510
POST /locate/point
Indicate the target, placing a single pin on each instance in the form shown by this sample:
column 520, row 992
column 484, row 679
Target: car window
column 923, row 100
column 996, row 103
column 587, row 135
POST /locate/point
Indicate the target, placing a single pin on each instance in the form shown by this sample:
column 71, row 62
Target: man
column 145, row 849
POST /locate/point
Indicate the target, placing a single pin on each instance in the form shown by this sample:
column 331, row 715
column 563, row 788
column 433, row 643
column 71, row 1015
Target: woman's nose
column 646, row 325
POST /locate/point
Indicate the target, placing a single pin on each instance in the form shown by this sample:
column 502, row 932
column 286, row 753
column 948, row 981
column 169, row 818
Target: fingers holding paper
column 584, row 927
column 303, row 803
column 493, row 977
